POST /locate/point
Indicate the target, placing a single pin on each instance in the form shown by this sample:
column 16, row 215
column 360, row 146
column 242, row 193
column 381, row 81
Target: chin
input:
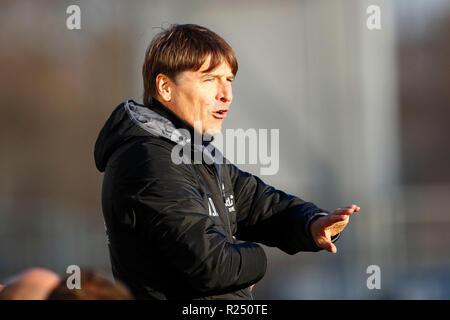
column 213, row 131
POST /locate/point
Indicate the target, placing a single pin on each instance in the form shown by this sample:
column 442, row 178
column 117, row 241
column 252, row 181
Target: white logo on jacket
column 212, row 208
column 229, row 203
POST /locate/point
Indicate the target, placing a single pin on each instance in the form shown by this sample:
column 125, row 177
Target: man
column 190, row 230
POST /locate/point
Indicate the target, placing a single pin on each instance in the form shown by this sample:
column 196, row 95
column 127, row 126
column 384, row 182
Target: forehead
column 223, row 69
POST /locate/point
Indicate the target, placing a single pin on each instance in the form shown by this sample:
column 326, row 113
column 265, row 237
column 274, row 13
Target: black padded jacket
column 188, row 231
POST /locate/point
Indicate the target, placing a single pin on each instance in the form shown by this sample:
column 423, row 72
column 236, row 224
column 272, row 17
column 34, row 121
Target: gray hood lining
column 154, row 123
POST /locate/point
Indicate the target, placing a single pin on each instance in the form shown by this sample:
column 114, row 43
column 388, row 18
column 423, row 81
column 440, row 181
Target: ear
column 164, row 87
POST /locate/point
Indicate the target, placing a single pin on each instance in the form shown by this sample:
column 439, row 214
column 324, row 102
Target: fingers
column 337, row 221
column 347, row 210
column 332, row 219
column 330, row 225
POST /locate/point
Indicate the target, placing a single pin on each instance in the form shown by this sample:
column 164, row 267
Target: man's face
column 203, row 96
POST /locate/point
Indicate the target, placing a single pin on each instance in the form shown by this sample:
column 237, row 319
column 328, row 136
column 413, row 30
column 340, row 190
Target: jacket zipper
column 209, row 196
column 221, row 187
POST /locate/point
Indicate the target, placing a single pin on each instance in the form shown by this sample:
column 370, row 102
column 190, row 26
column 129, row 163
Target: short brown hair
column 94, row 286
column 180, row 48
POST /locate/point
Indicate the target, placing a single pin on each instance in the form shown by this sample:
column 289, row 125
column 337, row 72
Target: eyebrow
column 205, row 75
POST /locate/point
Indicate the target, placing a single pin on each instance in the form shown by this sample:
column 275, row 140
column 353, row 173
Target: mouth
column 220, row 113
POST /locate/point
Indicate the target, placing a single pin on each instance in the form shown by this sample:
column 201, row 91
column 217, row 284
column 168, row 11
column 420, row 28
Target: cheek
column 204, row 103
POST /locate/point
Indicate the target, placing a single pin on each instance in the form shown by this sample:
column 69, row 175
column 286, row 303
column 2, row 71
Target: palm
column 326, row 227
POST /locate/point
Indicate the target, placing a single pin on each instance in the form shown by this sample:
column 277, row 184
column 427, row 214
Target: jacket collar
column 179, row 123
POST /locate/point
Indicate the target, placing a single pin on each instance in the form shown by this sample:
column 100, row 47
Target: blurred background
column 363, row 118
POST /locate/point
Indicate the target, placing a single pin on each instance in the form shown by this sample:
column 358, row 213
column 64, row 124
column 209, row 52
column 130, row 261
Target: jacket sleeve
column 272, row 217
column 173, row 218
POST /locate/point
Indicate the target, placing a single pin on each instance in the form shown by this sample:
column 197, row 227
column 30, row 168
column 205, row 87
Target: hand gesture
column 323, row 228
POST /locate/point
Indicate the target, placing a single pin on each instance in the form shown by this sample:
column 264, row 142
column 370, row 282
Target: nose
column 225, row 93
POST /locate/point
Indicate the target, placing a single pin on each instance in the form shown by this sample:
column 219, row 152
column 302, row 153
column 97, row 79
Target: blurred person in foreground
column 189, row 229
column 93, row 286
column 32, row 284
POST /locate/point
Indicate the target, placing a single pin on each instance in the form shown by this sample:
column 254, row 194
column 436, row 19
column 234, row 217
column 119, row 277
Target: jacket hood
column 130, row 120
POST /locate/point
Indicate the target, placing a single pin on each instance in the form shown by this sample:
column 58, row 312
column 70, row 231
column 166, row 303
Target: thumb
column 329, row 246
column 333, row 248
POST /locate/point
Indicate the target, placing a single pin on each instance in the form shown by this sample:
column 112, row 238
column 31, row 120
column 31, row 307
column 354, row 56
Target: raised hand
column 323, row 228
